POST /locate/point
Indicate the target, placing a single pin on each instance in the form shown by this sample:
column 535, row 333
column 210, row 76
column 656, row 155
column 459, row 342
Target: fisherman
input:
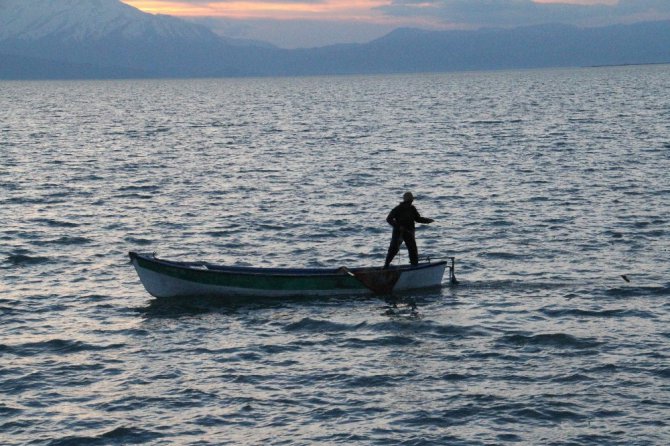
column 402, row 218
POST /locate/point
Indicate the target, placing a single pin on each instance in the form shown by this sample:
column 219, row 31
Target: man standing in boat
column 402, row 218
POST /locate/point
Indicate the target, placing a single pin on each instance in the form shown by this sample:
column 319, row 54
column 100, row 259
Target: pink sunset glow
column 329, row 9
column 354, row 10
column 296, row 23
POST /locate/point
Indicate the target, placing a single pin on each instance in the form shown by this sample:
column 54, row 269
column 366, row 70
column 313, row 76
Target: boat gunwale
column 206, row 267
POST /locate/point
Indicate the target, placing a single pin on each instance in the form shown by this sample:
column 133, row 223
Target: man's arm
column 390, row 219
column 419, row 219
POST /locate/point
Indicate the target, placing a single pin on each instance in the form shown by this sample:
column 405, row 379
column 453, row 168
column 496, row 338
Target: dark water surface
column 547, row 186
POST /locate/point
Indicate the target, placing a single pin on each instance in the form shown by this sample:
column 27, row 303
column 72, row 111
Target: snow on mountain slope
column 84, row 20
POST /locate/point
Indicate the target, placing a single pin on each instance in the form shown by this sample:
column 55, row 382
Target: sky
column 311, row 23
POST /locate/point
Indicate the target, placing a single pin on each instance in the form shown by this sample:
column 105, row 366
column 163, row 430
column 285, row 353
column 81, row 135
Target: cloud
column 327, row 10
column 295, row 23
column 464, row 13
column 505, row 13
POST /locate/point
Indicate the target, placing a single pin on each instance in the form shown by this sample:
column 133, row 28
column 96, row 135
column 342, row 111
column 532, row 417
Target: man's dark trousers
column 397, row 238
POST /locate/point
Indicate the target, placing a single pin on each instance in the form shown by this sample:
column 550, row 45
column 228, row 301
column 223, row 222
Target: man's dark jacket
column 404, row 215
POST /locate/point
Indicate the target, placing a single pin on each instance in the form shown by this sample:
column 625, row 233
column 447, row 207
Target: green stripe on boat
column 167, row 278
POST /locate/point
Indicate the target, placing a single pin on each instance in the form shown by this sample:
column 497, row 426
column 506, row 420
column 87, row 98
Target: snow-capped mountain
column 57, row 36
column 45, row 39
column 81, row 20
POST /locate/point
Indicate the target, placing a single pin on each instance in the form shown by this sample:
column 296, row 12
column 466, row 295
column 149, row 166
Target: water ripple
column 555, row 340
column 549, row 186
column 119, row 435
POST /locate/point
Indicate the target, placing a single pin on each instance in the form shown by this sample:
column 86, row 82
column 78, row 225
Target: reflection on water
column 547, row 186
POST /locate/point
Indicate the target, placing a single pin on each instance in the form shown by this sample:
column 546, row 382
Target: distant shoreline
column 627, row 65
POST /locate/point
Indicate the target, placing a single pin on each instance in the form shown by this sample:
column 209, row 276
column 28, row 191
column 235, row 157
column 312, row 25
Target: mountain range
column 66, row 39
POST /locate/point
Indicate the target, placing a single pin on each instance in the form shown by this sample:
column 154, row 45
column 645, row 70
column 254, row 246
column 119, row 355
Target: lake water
column 547, row 186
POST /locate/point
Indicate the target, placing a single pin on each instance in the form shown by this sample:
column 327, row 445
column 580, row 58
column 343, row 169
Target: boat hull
column 169, row 279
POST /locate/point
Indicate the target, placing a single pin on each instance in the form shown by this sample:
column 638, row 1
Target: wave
column 25, row 260
column 9, row 311
column 513, row 285
column 573, row 378
column 26, row 200
column 135, row 195
column 9, row 411
column 371, row 381
column 484, row 407
column 314, row 325
column 546, row 414
column 133, row 188
column 119, row 435
column 55, row 223
column 60, row 346
column 487, row 122
column 631, row 291
column 596, row 313
column 441, row 331
column 503, row 255
column 380, row 341
column 67, row 240
column 456, row 377
column 234, row 229
column 138, row 241
column 555, row 340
